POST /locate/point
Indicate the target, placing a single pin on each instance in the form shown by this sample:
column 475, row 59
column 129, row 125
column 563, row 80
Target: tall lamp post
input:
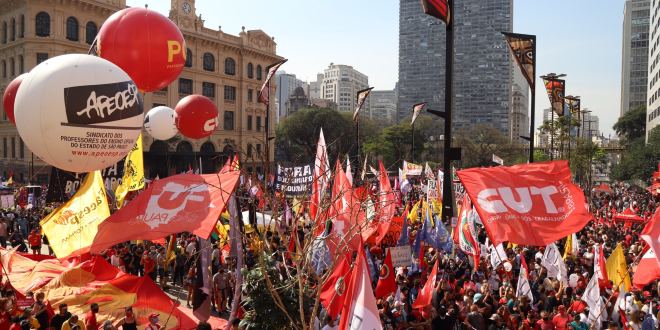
column 553, row 79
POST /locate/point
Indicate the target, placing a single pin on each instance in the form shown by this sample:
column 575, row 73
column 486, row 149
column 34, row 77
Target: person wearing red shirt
column 90, row 317
column 544, row 323
column 34, row 239
column 561, row 319
column 5, row 319
column 149, row 265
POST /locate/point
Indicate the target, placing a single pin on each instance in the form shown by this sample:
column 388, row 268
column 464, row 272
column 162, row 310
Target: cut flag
column 71, row 228
column 360, row 310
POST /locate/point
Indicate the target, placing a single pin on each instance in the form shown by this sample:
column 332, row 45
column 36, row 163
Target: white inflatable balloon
column 573, row 280
column 79, row 112
column 160, row 123
column 507, row 266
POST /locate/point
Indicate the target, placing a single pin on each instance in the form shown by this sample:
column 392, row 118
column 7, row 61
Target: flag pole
column 533, row 107
column 447, row 207
column 412, row 147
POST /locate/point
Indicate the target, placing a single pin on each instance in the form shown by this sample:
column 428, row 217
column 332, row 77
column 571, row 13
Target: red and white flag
column 651, row 234
column 360, row 310
column 600, row 267
column 320, row 178
column 647, row 271
column 523, row 288
column 180, row 203
column 386, row 197
column 333, row 292
column 386, row 282
column 425, row 296
column 349, row 171
column 264, row 93
column 529, row 204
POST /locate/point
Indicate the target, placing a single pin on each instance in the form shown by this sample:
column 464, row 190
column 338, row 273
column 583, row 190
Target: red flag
column 333, row 291
column 386, row 197
column 530, row 204
column 180, row 203
column 648, row 270
column 426, row 294
column 651, row 234
column 437, row 8
column 386, row 282
column 360, row 310
column 600, row 268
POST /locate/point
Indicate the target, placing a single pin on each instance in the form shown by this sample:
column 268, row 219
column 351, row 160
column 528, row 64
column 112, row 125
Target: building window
column 42, row 24
column 258, row 72
column 249, row 150
column 188, row 58
column 72, row 28
column 230, row 66
column 208, row 89
column 209, row 62
column 258, row 123
column 250, row 71
column 12, row 67
column 21, row 27
column 12, row 32
column 250, row 92
column 21, row 65
column 4, row 147
column 21, row 150
column 4, row 69
column 90, row 32
column 230, row 93
column 258, row 149
column 249, row 122
column 41, row 57
column 185, row 86
column 4, row 32
column 229, row 121
column 13, row 147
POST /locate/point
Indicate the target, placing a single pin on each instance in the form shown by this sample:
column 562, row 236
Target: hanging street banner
column 529, row 204
column 523, row 47
column 417, row 108
column 264, row 92
column 63, row 184
column 555, row 89
column 438, row 9
column 361, row 98
column 294, row 180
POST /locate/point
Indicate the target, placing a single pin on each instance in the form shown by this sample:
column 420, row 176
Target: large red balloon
column 196, row 116
column 145, row 44
column 10, row 96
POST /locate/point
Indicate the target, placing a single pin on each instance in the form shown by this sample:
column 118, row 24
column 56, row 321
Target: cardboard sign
column 401, row 256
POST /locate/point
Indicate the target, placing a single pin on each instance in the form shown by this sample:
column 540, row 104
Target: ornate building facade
column 228, row 69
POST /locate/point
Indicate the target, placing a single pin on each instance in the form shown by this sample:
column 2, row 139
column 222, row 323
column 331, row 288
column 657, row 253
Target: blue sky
column 585, row 44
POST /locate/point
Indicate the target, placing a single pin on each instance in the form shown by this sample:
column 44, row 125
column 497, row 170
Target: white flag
column 349, row 173
column 591, row 296
column 554, row 263
column 373, row 171
column 497, row 255
column 523, row 288
column 362, row 311
column 497, row 160
column 428, row 172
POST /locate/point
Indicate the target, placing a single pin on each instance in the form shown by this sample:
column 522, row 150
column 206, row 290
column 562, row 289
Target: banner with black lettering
column 294, row 180
column 63, row 184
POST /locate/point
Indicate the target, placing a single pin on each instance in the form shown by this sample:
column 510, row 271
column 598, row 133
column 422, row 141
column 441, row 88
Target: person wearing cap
column 73, row 323
column 153, row 322
column 90, row 317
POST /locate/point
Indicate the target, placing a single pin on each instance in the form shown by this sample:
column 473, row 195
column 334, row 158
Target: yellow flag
column 413, row 215
column 568, row 247
column 72, row 226
column 170, row 255
column 617, row 270
column 133, row 178
column 222, row 232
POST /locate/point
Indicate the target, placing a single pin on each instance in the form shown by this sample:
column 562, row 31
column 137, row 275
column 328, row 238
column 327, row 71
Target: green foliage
column 298, row 133
column 393, row 144
column 588, row 153
column 558, row 131
column 482, row 141
column 261, row 310
column 640, row 159
column 632, row 125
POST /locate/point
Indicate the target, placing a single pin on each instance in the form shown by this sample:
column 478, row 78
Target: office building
column 482, row 66
column 340, row 84
column 635, row 52
column 286, row 83
column 519, row 108
column 383, row 106
column 653, row 96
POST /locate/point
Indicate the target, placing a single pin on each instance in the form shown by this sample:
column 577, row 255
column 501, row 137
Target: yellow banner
column 73, row 225
column 133, row 178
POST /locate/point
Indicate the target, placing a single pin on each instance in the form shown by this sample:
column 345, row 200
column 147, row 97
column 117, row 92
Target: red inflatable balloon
column 145, row 44
column 196, row 116
column 10, row 96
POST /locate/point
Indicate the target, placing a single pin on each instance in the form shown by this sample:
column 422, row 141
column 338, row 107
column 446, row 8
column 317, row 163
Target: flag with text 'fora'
column 648, row 270
column 180, row 203
column 360, row 310
column 133, row 178
column 438, row 9
column 528, row 204
column 386, row 282
column 523, row 48
column 72, row 226
column 617, row 269
column 361, row 98
column 264, row 93
column 333, row 291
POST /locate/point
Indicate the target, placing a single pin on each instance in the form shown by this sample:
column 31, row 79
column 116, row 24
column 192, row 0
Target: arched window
column 250, row 71
column 188, row 58
column 184, row 146
column 209, row 62
column 159, row 147
column 4, row 32
column 21, row 28
column 72, row 28
column 230, row 66
column 90, row 32
column 258, row 72
column 42, row 24
column 12, row 32
column 207, row 148
column 249, row 150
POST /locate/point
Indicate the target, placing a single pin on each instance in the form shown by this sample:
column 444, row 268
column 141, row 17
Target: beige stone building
column 228, row 69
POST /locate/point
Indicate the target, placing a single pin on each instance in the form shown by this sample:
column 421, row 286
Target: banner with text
column 294, row 180
column 64, row 184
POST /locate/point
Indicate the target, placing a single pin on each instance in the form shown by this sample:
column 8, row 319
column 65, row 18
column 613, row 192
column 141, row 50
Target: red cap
column 646, row 294
column 152, row 315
